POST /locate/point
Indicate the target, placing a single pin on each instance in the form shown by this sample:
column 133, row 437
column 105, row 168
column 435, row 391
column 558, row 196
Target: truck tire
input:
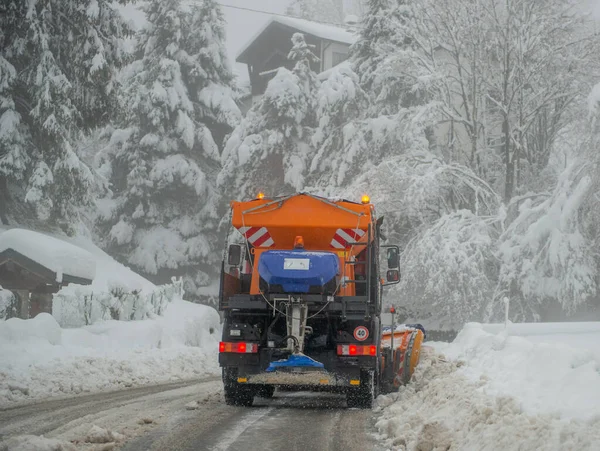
column 266, row 391
column 363, row 396
column 236, row 395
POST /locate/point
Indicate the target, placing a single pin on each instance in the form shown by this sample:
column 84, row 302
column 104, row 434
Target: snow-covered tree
column 383, row 31
column 368, row 114
column 543, row 253
column 449, row 270
column 340, row 101
column 57, row 65
column 162, row 160
column 270, row 149
column 506, row 73
column 592, row 157
column 537, row 59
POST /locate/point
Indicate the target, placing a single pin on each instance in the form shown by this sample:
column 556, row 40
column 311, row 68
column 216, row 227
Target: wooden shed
column 269, row 48
column 30, row 268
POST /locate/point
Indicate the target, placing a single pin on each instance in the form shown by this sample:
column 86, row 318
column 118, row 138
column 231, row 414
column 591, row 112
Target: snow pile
column 38, row 359
column 493, row 389
column 544, row 371
column 110, row 273
column 441, row 409
column 56, row 255
column 35, row 443
column 100, row 435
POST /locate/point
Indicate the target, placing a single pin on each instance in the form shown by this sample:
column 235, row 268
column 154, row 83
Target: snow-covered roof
column 62, row 258
column 320, row 30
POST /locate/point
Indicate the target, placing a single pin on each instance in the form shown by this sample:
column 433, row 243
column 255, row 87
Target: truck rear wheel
column 236, row 395
column 266, row 391
column 363, row 396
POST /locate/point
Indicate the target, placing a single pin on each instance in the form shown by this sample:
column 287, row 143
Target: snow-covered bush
column 8, row 304
column 79, row 305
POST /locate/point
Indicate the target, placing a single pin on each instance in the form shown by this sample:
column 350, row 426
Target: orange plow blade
column 405, row 353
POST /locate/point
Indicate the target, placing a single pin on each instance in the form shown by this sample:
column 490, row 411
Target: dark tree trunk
column 509, row 163
column 3, row 200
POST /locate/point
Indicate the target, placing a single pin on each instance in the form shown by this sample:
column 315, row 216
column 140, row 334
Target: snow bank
column 442, row 409
column 38, row 359
column 35, row 443
column 109, row 272
column 552, row 369
column 57, row 255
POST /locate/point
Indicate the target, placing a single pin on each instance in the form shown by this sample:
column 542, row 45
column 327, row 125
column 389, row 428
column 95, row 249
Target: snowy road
column 162, row 418
column 289, row 421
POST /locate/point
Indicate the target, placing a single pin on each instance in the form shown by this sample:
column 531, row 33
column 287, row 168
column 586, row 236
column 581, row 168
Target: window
column 338, row 57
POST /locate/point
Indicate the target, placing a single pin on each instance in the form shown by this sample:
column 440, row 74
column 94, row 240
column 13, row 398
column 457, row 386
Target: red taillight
column 240, row 348
column 370, row 350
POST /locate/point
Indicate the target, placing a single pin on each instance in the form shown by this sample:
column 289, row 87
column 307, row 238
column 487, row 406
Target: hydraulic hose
column 296, row 342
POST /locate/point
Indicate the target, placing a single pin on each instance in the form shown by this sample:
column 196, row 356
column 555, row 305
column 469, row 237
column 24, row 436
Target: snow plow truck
column 301, row 290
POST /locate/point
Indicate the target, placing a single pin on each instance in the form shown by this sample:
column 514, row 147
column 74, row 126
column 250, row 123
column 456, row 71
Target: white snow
column 527, row 386
column 97, row 434
column 442, row 409
column 39, row 359
column 52, row 253
column 35, row 443
column 552, row 368
column 110, row 273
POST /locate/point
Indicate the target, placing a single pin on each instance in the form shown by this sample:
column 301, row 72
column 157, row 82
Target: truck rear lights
column 369, row 350
column 239, row 348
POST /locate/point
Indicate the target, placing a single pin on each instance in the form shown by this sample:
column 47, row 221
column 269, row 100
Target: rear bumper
column 339, row 371
column 304, row 379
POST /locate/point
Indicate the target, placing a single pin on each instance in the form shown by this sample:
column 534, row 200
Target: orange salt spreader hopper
column 323, row 225
column 314, row 218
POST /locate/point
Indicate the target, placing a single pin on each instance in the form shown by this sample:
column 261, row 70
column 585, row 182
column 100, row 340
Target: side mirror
column 393, row 257
column 234, row 256
column 392, row 276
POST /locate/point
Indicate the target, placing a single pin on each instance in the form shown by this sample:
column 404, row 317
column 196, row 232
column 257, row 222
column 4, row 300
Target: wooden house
column 269, row 48
column 35, row 280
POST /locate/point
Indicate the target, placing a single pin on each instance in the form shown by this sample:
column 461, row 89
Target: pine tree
column 386, row 121
column 177, row 106
column 59, row 60
column 383, row 31
column 270, row 150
